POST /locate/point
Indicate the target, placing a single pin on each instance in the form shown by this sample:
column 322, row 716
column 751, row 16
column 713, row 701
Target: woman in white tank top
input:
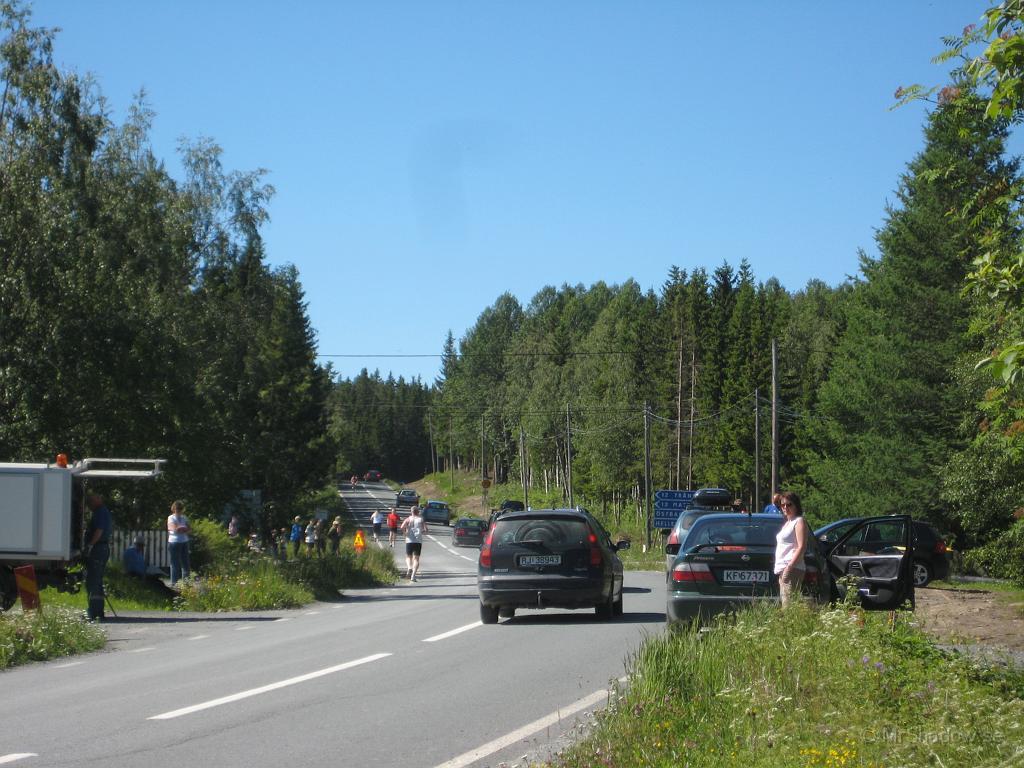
column 790, row 545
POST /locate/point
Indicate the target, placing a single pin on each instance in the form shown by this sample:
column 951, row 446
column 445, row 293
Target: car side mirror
column 624, row 544
column 823, row 537
column 671, row 549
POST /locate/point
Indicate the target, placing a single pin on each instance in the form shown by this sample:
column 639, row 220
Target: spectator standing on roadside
column 790, row 545
column 233, row 527
column 310, row 537
column 296, row 536
column 772, row 507
column 178, row 530
column 282, row 544
column 393, row 521
column 97, row 541
column 414, row 526
column 321, row 539
column 334, row 534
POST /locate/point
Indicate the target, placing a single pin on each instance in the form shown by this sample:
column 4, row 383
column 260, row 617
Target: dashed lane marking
column 16, row 756
column 199, row 637
column 267, row 688
column 69, row 664
column 452, row 633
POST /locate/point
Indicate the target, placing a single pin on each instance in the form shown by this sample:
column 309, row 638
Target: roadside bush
column 1001, row 558
column 326, row 577
column 35, row 636
column 254, row 587
column 212, row 551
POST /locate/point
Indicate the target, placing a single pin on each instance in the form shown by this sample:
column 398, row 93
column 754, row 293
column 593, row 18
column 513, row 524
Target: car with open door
column 727, row 560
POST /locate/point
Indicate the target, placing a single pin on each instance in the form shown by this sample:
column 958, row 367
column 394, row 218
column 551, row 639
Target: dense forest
column 140, row 318
column 879, row 406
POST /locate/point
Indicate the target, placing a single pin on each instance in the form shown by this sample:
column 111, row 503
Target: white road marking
column 284, row 618
column 267, row 688
column 142, row 650
column 69, row 664
column 452, row 633
column 199, row 637
column 242, row 629
column 311, row 613
column 16, row 756
column 468, row 758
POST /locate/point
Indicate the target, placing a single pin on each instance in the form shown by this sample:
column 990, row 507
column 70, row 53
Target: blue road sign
column 667, row 506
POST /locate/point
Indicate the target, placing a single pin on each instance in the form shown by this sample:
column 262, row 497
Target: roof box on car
column 712, row 497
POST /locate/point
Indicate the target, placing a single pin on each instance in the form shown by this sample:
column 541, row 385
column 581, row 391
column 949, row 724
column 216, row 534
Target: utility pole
column 451, row 453
column 568, row 453
column 679, row 412
column 483, row 464
column 647, row 472
column 523, row 470
column 693, row 392
column 757, row 450
column 433, row 448
column 775, row 419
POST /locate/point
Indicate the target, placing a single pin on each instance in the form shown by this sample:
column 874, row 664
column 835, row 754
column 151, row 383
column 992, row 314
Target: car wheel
column 922, row 573
column 507, row 613
column 488, row 614
column 606, row 609
column 617, row 607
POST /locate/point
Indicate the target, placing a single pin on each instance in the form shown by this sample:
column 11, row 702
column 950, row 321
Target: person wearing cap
column 134, row 558
column 296, row 537
column 334, row 535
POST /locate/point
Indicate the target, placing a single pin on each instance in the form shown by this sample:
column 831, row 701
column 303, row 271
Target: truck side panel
column 35, row 512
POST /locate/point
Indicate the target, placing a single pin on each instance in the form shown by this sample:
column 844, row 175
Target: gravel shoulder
column 975, row 621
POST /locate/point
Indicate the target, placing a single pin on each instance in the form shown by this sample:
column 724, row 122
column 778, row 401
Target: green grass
column 801, row 687
column 259, row 586
column 125, row 592
column 54, row 632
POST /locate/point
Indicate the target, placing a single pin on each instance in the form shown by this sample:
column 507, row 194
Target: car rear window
column 746, row 532
column 471, row 523
column 551, row 532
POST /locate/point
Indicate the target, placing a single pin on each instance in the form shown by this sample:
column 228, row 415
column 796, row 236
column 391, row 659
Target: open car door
column 879, row 553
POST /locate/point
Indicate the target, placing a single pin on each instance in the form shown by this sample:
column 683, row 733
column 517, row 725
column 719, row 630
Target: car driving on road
column 373, row 476
column 549, row 558
column 437, row 512
column 468, row 532
column 407, row 497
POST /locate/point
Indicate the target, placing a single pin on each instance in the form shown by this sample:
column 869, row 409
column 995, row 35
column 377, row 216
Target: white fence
column 156, row 546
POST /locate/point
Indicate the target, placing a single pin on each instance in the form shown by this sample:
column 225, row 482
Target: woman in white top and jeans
column 177, row 541
column 790, row 545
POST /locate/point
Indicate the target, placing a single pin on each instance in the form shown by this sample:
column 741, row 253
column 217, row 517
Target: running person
column 377, row 520
column 393, row 521
column 414, row 526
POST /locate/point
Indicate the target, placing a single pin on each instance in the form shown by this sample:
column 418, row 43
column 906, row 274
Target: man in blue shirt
column 97, row 542
column 773, row 507
column 296, row 536
column 135, row 558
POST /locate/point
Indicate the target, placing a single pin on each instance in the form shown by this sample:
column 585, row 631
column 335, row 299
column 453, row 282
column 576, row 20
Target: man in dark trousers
column 97, row 541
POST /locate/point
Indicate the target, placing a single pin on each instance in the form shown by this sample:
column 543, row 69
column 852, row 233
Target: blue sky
column 429, row 156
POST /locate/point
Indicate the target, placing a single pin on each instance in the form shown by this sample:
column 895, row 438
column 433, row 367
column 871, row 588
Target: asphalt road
column 403, row 676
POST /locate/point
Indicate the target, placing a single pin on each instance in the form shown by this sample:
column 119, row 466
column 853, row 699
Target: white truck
column 42, row 516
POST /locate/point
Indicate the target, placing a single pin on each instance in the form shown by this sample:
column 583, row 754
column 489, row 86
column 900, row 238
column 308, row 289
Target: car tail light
column 460, row 531
column 940, row 547
column 595, row 551
column 691, row 572
column 731, row 548
column 485, row 551
column 673, row 538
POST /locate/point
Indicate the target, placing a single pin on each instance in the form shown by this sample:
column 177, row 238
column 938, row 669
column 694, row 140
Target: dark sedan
column 549, row 558
column 469, row 532
column 727, row 560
